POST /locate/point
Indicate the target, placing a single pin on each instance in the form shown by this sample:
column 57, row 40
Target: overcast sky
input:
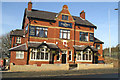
column 96, row 13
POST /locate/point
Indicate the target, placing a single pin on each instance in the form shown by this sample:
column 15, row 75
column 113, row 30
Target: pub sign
column 32, row 31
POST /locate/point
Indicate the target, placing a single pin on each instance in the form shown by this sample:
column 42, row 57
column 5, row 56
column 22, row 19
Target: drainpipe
column 27, row 44
column 74, row 43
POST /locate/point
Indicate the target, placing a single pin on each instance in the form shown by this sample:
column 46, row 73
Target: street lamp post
column 109, row 33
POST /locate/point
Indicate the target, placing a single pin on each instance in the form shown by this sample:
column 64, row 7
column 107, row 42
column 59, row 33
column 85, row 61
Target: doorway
column 53, row 55
column 63, row 58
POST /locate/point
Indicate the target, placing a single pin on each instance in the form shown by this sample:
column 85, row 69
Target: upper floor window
column 91, row 37
column 64, row 17
column 41, row 31
column 97, row 46
column 18, row 40
column 83, row 36
column 19, row 54
column 64, row 34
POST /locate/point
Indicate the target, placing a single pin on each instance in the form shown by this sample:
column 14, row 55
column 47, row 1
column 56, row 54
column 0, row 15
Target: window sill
column 58, row 60
column 84, row 60
column 18, row 43
column 38, row 60
column 64, row 39
column 70, row 61
column 40, row 37
column 19, row 58
column 85, row 41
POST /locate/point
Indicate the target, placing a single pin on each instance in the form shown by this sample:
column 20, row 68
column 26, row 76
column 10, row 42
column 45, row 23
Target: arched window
column 40, row 54
column 84, row 56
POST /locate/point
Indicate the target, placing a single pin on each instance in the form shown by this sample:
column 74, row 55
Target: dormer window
column 18, row 40
column 64, row 17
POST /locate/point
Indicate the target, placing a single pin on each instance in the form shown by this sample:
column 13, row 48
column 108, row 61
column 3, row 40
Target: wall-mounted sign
column 32, row 31
column 65, row 24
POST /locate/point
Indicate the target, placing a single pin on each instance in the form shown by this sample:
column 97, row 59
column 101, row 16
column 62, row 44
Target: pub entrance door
column 64, row 57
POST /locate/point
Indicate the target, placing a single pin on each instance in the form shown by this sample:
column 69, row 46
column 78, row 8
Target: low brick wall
column 93, row 66
column 43, row 67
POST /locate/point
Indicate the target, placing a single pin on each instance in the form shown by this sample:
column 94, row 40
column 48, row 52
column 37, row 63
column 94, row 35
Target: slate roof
column 98, row 41
column 51, row 16
column 21, row 47
column 17, row 32
column 83, row 47
column 38, row 44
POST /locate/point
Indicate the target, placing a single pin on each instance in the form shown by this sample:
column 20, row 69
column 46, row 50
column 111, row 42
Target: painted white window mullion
column 88, row 55
column 81, row 55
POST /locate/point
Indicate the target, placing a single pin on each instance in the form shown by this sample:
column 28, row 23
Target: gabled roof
column 17, row 32
column 41, row 14
column 98, row 41
column 45, row 15
column 21, row 47
column 83, row 47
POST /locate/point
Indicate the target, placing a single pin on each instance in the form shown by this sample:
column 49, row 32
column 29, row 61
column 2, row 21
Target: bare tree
column 5, row 44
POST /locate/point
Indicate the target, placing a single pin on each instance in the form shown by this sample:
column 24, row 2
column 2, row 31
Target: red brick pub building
column 54, row 38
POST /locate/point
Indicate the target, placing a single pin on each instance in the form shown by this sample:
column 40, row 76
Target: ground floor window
column 84, row 56
column 40, row 54
column 19, row 54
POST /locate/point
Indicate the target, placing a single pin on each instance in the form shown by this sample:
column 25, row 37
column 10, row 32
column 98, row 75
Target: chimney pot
column 82, row 14
column 65, row 7
column 29, row 6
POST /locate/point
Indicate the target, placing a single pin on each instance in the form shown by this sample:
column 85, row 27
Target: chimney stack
column 29, row 6
column 82, row 14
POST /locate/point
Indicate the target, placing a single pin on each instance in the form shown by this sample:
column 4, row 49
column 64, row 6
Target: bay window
column 64, row 34
column 40, row 54
column 84, row 56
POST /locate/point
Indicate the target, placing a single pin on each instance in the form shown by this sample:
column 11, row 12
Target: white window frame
column 71, row 56
column 81, row 60
column 18, row 40
column 19, row 53
column 35, row 50
column 64, row 34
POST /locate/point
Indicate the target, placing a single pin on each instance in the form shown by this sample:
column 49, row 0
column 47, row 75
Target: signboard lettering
column 65, row 24
column 32, row 31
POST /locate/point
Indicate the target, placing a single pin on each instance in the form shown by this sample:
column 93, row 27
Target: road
column 109, row 74
column 113, row 76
